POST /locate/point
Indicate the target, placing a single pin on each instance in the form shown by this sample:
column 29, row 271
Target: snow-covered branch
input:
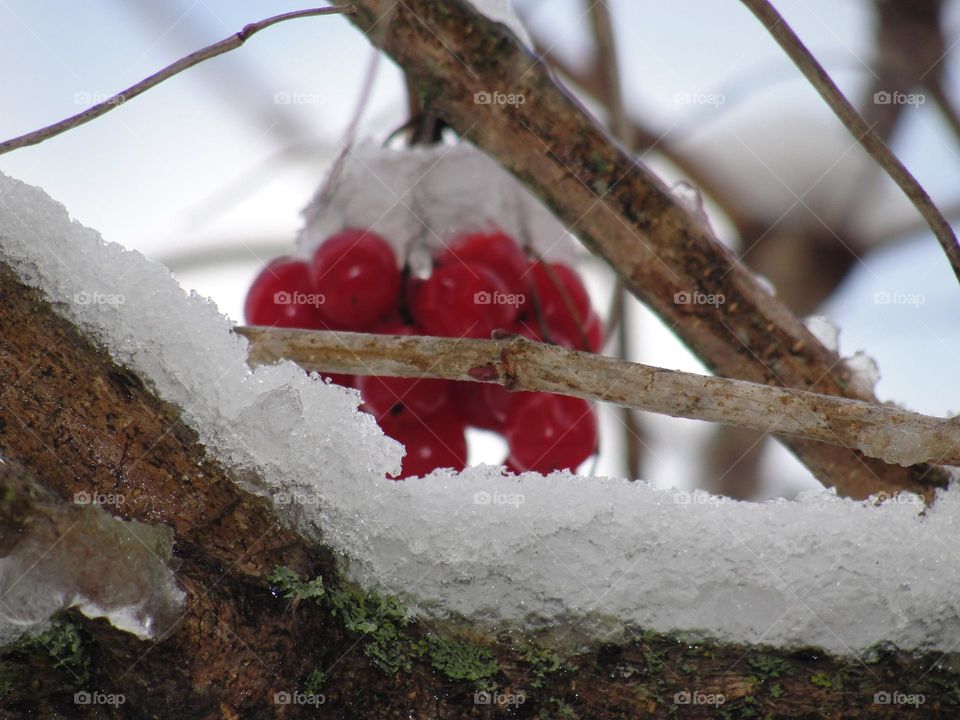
column 881, row 431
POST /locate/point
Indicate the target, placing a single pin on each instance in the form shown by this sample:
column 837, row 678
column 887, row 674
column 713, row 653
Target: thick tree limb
column 864, row 134
column 73, row 417
column 519, row 364
column 226, row 45
column 657, row 245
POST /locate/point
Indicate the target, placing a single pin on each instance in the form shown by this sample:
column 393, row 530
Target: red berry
column 384, row 395
column 494, row 250
column 550, row 432
column 483, row 405
column 463, row 301
column 356, row 272
column 563, row 306
column 437, row 444
column 283, row 296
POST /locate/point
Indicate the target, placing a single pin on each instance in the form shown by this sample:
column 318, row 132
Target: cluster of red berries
column 481, row 282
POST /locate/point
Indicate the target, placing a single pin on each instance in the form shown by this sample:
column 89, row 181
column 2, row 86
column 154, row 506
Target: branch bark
column 660, row 249
column 71, row 416
column 519, row 364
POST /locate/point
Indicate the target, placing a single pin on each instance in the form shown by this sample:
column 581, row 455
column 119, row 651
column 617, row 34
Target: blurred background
column 208, row 172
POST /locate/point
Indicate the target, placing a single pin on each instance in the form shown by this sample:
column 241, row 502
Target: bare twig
column 844, row 110
column 881, row 431
column 224, row 46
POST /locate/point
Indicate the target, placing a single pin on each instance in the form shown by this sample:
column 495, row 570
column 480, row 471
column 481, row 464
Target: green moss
column 314, row 683
column 7, row 679
column 543, row 663
column 561, row 710
column 63, row 642
column 769, row 667
column 822, row 680
column 381, row 620
column 458, row 660
column 599, row 164
column 776, row 690
column 295, row 589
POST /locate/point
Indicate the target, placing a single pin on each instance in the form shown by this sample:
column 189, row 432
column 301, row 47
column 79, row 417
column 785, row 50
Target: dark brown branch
column 71, row 416
column 226, row 45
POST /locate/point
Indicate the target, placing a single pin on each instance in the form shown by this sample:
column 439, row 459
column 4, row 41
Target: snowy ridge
column 824, row 571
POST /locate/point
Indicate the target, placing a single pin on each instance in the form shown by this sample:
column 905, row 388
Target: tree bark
column 75, row 421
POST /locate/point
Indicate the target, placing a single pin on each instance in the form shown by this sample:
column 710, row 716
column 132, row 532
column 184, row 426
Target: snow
column 592, row 555
column 502, row 11
column 823, row 330
column 105, row 566
column 419, row 197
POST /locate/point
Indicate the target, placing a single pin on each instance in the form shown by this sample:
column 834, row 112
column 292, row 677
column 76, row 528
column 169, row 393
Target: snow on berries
column 480, row 282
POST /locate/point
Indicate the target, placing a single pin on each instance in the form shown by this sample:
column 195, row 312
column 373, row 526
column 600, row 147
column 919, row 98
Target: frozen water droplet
column 823, row 330
column 865, row 373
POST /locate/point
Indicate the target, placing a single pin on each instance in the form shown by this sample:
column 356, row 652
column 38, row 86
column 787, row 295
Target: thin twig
column 881, row 431
column 844, row 110
column 224, row 46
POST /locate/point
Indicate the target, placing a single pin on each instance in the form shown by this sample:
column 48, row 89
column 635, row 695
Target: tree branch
column 516, row 363
column 224, row 46
column 660, row 248
column 864, row 134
